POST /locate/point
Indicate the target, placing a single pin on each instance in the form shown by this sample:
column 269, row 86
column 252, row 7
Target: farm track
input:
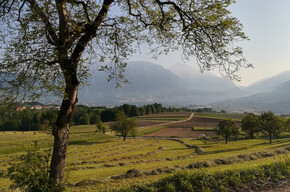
column 163, row 124
column 183, row 129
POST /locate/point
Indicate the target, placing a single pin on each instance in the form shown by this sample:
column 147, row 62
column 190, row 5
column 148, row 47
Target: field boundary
column 168, row 123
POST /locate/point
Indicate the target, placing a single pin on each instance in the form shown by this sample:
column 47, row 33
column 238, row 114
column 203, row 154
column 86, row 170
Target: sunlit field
column 97, row 162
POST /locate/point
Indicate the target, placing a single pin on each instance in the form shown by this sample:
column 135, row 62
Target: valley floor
column 97, row 162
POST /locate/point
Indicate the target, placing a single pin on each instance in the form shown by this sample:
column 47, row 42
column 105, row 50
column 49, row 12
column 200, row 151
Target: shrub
column 31, row 172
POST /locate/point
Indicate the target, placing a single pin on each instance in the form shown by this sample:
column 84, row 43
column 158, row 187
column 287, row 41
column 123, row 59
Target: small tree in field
column 227, row 128
column 100, row 126
column 250, row 125
column 271, row 125
column 123, row 125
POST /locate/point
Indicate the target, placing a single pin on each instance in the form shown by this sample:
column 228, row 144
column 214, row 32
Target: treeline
column 27, row 120
column 33, row 119
column 133, row 110
column 253, row 125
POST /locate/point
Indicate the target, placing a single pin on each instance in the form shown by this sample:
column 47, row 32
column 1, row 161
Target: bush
column 31, row 172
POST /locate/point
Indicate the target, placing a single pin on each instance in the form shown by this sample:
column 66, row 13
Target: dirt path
column 162, row 124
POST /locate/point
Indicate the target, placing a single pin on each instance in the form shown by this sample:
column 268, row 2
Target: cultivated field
column 97, row 162
column 200, row 123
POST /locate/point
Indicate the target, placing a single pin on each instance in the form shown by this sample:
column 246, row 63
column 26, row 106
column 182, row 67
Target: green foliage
column 287, row 125
column 271, row 125
column 204, row 29
column 28, row 120
column 84, row 119
column 109, row 114
column 230, row 180
column 250, row 124
column 123, row 125
column 227, row 128
column 84, row 115
column 100, row 126
column 31, row 172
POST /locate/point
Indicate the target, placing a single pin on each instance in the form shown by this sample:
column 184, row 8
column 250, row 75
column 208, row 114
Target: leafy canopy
column 124, row 125
column 227, row 128
column 42, row 42
column 251, row 124
column 271, row 124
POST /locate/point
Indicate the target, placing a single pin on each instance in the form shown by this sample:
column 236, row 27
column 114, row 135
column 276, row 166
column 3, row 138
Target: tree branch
column 48, row 26
column 63, row 24
column 85, row 8
column 90, row 32
column 139, row 15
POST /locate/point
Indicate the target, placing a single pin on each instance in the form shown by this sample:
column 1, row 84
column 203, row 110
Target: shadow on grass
column 224, row 150
column 85, row 142
column 274, row 141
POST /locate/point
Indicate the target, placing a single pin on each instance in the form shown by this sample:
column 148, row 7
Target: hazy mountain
column 276, row 100
column 268, row 84
column 202, row 81
column 153, row 83
column 147, row 82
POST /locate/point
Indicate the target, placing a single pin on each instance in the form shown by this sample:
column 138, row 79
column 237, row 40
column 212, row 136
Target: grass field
column 96, row 162
column 234, row 116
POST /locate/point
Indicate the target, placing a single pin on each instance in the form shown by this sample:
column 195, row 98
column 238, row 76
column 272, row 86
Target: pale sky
column 267, row 24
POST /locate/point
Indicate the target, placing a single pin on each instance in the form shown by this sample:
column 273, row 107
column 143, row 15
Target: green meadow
column 97, row 162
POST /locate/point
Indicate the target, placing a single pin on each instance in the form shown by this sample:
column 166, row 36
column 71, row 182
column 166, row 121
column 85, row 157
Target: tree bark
column 61, row 131
column 252, row 134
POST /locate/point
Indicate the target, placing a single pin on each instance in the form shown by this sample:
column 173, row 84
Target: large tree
column 271, row 125
column 251, row 124
column 227, row 128
column 46, row 45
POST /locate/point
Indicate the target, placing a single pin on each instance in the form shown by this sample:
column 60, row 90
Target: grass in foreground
column 96, row 162
column 229, row 180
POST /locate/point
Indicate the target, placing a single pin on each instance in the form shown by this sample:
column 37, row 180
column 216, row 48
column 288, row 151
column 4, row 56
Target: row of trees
column 267, row 123
column 27, row 120
column 132, row 110
column 32, row 119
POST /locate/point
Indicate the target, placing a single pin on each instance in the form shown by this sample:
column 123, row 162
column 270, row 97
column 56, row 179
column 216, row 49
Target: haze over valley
column 181, row 85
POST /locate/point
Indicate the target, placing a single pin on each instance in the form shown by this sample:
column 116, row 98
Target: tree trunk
column 226, row 139
column 61, row 131
column 270, row 136
column 124, row 138
column 252, row 134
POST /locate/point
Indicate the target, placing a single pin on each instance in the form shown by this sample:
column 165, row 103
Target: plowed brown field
column 184, row 129
column 179, row 132
column 197, row 122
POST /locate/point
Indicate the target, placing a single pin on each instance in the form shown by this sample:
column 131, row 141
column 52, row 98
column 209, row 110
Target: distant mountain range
column 150, row 83
column 271, row 94
column 181, row 85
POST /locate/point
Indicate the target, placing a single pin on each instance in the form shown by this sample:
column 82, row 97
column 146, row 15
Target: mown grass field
column 97, row 162
column 234, row 116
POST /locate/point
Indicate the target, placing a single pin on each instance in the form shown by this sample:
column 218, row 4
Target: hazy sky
column 267, row 24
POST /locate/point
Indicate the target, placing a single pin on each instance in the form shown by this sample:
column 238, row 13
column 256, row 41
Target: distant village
column 37, row 106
